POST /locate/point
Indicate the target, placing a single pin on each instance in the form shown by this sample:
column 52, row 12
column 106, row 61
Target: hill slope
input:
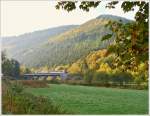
column 17, row 45
column 69, row 46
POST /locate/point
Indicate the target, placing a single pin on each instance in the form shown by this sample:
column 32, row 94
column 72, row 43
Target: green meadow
column 95, row 100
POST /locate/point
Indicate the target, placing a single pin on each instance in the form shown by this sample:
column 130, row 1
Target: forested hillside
column 17, row 46
column 67, row 47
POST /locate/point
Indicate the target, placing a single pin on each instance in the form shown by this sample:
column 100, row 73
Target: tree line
column 12, row 69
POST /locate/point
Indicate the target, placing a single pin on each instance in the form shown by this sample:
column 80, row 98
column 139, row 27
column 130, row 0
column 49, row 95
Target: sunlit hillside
column 63, row 48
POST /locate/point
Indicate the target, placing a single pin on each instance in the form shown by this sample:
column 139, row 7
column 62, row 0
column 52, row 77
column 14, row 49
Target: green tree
column 122, row 78
column 84, row 67
column 141, row 15
column 101, row 77
column 10, row 67
column 131, row 43
column 88, row 76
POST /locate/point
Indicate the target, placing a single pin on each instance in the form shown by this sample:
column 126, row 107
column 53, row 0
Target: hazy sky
column 28, row 16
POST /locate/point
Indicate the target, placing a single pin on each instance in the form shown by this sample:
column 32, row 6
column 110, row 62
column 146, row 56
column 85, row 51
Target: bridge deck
column 44, row 74
column 54, row 74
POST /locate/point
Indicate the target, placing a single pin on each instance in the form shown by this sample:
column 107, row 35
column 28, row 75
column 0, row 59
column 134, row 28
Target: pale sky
column 19, row 17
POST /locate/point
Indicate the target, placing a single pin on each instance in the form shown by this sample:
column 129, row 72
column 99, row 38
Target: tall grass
column 16, row 101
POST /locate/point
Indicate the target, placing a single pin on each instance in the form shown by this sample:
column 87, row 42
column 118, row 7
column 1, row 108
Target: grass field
column 95, row 100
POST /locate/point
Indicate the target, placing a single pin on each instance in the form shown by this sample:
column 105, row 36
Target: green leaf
column 106, row 37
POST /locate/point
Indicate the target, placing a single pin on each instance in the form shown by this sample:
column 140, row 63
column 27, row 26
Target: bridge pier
column 54, row 77
column 45, row 77
column 42, row 77
column 35, row 78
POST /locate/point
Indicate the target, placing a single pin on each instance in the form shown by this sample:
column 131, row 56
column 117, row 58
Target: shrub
column 54, row 81
column 16, row 87
column 101, row 78
column 122, row 78
column 88, row 76
column 74, row 77
column 34, row 83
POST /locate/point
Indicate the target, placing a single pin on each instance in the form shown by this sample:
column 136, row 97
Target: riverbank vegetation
column 16, row 101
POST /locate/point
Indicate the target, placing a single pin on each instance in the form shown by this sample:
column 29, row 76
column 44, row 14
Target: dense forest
column 63, row 48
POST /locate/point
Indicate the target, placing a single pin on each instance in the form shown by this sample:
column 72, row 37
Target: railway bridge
column 54, row 74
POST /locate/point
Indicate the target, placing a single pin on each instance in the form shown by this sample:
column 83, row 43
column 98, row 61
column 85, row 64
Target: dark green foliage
column 69, row 5
column 101, row 77
column 106, row 37
column 143, row 12
column 140, row 16
column 86, row 5
column 74, row 77
column 10, row 67
column 88, row 76
column 122, row 78
column 112, row 4
column 131, row 43
column 15, row 88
